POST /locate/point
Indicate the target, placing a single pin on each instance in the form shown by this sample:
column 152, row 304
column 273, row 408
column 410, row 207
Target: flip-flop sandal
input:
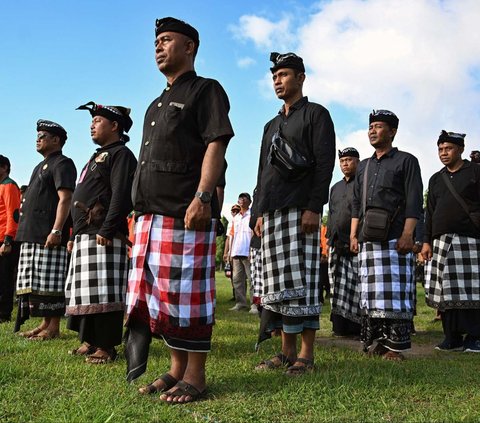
column 30, row 333
column 294, row 370
column 283, row 361
column 182, row 388
column 393, row 356
column 83, row 350
column 102, row 359
column 168, row 383
column 44, row 335
column 379, row 350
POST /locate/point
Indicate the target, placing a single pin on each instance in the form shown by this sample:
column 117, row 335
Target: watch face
column 205, row 197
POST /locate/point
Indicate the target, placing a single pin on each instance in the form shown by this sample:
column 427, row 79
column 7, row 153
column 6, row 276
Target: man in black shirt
column 343, row 265
column 393, row 183
column 43, row 232
column 171, row 289
column 97, row 276
column 452, row 243
column 290, row 205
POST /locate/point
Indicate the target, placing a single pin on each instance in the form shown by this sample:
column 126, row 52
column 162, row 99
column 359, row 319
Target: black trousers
column 8, row 274
column 458, row 322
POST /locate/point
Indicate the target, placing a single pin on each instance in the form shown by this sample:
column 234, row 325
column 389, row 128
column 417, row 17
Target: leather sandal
column 283, row 361
column 44, row 335
column 183, row 389
column 168, row 383
column 83, row 349
column 295, row 370
column 101, row 358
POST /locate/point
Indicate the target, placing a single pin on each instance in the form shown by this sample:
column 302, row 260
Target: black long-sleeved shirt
column 340, row 211
column 106, row 179
column 394, row 184
column 189, row 114
column 444, row 214
column 309, row 128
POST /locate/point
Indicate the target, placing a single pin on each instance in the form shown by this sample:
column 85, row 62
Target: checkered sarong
column 387, row 280
column 345, row 285
column 97, row 277
column 452, row 277
column 173, row 272
column 291, row 265
column 256, row 274
column 41, row 270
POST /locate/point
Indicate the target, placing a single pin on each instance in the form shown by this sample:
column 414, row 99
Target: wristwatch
column 205, row 197
column 56, row 232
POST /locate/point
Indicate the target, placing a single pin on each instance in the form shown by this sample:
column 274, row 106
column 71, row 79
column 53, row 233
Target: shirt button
column 147, row 142
column 167, row 89
column 23, row 200
column 160, row 104
column 153, row 123
column 143, row 162
column 21, row 214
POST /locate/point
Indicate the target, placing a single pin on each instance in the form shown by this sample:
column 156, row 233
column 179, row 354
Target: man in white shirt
column 240, row 236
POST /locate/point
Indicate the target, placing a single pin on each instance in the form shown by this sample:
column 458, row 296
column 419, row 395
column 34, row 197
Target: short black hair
column 5, row 162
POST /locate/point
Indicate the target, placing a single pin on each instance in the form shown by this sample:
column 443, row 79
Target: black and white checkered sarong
column 452, row 277
column 387, row 280
column 41, row 270
column 290, row 265
column 256, row 272
column 345, row 285
column 97, row 277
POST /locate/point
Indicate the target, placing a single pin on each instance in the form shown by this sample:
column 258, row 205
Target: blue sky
column 420, row 58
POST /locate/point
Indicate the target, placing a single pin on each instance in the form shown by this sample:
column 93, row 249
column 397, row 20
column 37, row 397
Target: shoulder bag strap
column 457, row 197
column 365, row 187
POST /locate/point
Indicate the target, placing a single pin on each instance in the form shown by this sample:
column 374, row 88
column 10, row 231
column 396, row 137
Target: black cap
column 384, row 116
column 452, row 137
column 176, row 25
column 52, row 127
column 348, row 152
column 246, row 195
column 287, row 60
column 118, row 114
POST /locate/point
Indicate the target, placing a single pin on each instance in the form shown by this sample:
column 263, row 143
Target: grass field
column 40, row 382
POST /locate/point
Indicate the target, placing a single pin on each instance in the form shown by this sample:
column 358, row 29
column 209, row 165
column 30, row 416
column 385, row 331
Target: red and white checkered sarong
column 172, row 277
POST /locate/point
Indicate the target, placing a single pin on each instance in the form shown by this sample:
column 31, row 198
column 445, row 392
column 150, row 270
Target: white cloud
column 245, row 62
column 419, row 58
column 265, row 34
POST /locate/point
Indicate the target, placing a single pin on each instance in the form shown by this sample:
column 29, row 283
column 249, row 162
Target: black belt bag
column 287, row 161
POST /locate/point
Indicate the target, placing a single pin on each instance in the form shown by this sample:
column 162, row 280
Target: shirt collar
column 466, row 165
column 113, row 144
column 183, row 77
column 295, row 106
column 391, row 153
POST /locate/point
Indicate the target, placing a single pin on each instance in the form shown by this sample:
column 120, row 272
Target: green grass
column 40, row 382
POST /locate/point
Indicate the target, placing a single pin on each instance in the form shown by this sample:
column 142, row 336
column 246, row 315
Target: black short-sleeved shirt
column 340, row 211
column 394, row 184
column 39, row 205
column 309, row 128
column 444, row 214
column 179, row 125
column 105, row 180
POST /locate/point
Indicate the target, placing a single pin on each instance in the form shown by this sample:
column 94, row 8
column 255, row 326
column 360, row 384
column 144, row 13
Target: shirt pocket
column 170, row 166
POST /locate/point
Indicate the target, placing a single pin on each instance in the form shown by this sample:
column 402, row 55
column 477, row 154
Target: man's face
column 47, row 142
column 171, row 50
column 243, row 202
column 286, row 85
column 3, row 172
column 348, row 166
column 102, row 129
column 380, row 134
column 449, row 153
